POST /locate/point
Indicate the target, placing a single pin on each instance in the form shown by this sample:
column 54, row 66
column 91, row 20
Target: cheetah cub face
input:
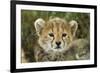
column 55, row 34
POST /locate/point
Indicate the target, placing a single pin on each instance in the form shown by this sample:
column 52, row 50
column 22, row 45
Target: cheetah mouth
column 58, row 47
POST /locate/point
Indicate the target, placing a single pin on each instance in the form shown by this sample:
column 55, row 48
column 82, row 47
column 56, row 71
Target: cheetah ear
column 39, row 24
column 74, row 27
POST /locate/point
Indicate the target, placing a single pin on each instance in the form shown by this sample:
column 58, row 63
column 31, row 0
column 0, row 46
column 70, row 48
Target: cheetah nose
column 58, row 43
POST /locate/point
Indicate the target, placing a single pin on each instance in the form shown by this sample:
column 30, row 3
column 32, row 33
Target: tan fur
column 57, row 27
column 23, row 58
column 45, row 47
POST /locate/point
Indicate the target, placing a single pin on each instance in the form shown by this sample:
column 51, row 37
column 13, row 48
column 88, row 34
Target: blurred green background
column 29, row 37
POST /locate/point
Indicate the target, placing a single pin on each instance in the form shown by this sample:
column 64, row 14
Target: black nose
column 58, row 43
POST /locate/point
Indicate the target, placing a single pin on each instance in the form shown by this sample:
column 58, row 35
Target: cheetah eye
column 64, row 35
column 51, row 34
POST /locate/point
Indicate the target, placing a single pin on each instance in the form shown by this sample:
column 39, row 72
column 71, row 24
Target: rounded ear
column 39, row 24
column 74, row 27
